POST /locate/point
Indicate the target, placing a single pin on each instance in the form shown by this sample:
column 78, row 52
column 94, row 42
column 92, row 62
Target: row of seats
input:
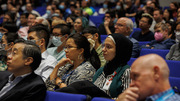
column 59, row 96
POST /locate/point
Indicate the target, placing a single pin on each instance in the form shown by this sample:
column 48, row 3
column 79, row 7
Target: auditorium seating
column 101, row 99
column 175, row 83
column 160, row 52
column 58, row 96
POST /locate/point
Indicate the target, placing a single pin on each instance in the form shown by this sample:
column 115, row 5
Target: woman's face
column 166, row 13
column 78, row 25
column 5, row 43
column 69, row 20
column 109, row 49
column 71, row 50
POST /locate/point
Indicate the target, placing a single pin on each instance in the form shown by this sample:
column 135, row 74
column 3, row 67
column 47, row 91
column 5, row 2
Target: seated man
column 60, row 34
column 150, row 81
column 40, row 35
column 162, row 40
column 21, row 83
column 144, row 24
column 92, row 34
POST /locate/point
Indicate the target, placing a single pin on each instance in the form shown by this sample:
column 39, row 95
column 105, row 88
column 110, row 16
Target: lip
column 7, row 63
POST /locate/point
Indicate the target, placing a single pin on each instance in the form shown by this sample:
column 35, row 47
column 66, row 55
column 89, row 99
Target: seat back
column 58, row 96
column 160, row 52
column 101, row 99
column 175, row 83
column 174, row 67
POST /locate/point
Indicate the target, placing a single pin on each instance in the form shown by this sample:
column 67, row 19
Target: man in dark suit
column 20, row 83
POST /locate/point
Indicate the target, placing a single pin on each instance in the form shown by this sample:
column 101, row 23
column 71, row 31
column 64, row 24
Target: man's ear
column 96, row 35
column 28, row 61
column 42, row 42
column 156, row 71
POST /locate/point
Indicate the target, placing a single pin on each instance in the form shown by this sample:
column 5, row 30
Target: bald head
column 151, row 61
column 124, row 26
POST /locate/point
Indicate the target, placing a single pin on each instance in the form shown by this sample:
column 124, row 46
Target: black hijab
column 123, row 53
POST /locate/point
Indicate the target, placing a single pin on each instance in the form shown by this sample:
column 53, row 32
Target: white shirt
column 47, row 65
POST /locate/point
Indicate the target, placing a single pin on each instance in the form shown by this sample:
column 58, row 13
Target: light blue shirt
column 53, row 51
column 11, row 83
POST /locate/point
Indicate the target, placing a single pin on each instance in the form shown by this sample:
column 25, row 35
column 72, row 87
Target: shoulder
column 4, row 75
column 49, row 50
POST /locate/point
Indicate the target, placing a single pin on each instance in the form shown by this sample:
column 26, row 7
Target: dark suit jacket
column 30, row 88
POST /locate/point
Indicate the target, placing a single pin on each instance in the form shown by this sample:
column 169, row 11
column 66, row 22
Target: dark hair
column 160, row 11
column 112, row 13
column 11, row 15
column 31, row 50
column 11, row 37
column 11, row 27
column 92, row 30
column 41, row 32
column 149, row 17
column 25, row 14
column 82, row 42
column 64, row 29
column 72, row 16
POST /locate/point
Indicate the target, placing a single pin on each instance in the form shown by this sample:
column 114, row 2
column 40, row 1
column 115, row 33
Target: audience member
column 49, row 12
column 150, row 81
column 131, row 8
column 85, row 61
column 107, row 27
column 162, row 40
column 7, row 42
column 125, row 26
column 39, row 34
column 144, row 24
column 23, row 20
column 105, row 7
column 29, row 9
column 60, row 34
column 158, row 17
column 92, row 34
column 114, row 77
column 79, row 24
column 174, row 53
column 70, row 21
column 21, row 82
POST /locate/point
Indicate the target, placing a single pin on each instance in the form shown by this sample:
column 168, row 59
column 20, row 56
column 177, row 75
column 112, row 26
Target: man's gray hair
column 44, row 22
column 129, row 23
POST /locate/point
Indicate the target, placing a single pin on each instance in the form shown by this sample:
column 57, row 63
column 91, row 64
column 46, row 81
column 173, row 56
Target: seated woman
column 114, row 77
column 84, row 65
column 174, row 52
column 79, row 24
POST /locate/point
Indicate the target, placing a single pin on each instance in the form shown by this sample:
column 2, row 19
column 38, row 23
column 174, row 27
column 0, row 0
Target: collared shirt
column 11, row 83
column 172, row 97
column 47, row 65
column 100, row 54
column 58, row 55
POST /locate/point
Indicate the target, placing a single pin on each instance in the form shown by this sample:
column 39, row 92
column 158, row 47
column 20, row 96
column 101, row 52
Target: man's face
column 50, row 9
column 120, row 27
column 159, row 30
column 157, row 16
column 23, row 19
column 143, row 23
column 31, row 19
column 32, row 36
column 37, row 21
column 15, row 61
column 28, row 7
column 107, row 17
column 6, row 18
column 142, row 78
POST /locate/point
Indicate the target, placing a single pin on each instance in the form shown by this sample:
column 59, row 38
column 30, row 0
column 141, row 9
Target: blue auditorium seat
column 174, row 67
column 101, row 99
column 58, row 96
column 103, row 37
column 160, row 52
column 143, row 43
column 175, row 83
column 131, row 61
column 41, row 10
column 135, row 29
column 97, row 20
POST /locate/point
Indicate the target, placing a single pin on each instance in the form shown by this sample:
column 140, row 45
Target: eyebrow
column 15, row 49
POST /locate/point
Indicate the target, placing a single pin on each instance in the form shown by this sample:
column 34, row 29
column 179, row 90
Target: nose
column 9, row 56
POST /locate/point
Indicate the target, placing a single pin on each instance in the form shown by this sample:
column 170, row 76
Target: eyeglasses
column 119, row 25
column 3, row 45
column 56, row 34
column 143, row 21
column 69, row 47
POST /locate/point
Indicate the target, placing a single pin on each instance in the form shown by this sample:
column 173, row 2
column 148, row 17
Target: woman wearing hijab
column 114, row 77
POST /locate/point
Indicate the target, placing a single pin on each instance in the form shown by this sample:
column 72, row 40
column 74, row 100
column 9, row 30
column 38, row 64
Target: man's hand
column 130, row 94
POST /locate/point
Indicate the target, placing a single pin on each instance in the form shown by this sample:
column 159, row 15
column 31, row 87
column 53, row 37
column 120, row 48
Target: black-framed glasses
column 69, row 47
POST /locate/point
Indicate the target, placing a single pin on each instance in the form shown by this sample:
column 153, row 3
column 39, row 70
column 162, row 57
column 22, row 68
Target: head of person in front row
column 150, row 80
column 117, row 51
column 85, row 63
column 24, row 58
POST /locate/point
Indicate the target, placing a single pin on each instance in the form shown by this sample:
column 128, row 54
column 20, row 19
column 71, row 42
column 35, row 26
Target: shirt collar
column 12, row 78
column 44, row 55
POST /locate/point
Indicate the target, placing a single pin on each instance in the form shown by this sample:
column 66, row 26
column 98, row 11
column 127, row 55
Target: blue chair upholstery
column 143, row 43
column 174, row 67
column 160, row 52
column 97, row 20
column 101, row 99
column 175, row 83
column 131, row 61
column 58, row 96
column 103, row 37
column 134, row 29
